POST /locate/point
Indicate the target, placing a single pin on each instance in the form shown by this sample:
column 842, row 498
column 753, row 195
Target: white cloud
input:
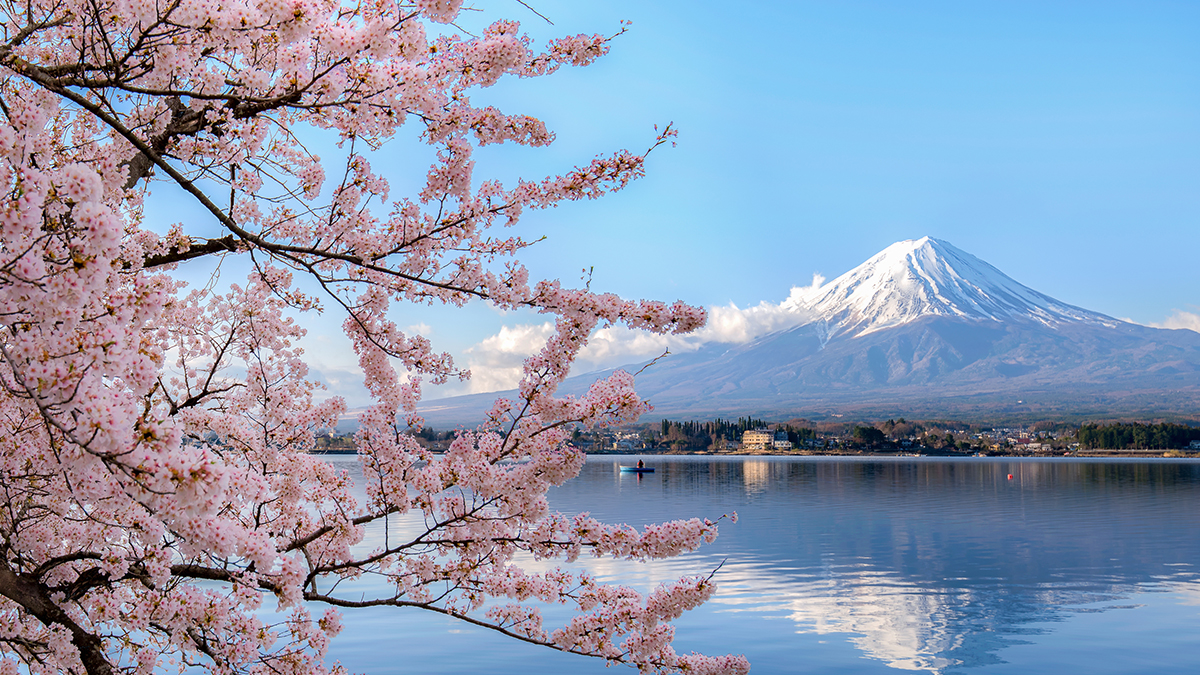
column 1180, row 319
column 617, row 345
column 331, row 360
column 730, row 324
column 496, row 362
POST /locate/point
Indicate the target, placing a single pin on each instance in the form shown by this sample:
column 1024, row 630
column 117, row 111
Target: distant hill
column 921, row 329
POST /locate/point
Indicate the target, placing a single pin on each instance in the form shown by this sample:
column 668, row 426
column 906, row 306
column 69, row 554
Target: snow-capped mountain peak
column 928, row 277
column 922, row 328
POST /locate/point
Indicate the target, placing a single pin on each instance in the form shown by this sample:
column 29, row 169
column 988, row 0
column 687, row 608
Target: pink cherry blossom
column 154, row 439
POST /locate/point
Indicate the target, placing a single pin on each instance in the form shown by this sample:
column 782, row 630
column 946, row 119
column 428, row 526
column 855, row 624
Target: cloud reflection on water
column 922, row 566
column 936, row 565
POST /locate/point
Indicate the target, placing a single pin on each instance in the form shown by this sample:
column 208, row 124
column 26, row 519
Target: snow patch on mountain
column 928, row 277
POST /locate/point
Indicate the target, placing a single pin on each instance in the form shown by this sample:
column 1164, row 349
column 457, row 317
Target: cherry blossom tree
column 160, row 508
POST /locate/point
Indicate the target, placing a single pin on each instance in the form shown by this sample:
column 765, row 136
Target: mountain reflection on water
column 928, row 565
column 841, row 565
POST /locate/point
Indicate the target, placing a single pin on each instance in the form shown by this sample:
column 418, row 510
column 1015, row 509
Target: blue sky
column 1058, row 141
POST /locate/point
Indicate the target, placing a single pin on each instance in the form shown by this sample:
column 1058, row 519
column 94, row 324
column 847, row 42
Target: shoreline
column 1142, row 453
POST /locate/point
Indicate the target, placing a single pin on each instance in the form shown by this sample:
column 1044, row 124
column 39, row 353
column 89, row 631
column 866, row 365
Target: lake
column 848, row 565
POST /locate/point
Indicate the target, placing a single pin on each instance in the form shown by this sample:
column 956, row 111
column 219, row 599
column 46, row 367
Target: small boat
column 637, row 469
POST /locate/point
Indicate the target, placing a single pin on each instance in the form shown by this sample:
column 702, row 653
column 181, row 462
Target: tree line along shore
column 748, row 435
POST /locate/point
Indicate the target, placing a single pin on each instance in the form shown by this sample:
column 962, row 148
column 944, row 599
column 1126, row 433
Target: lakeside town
column 894, row 437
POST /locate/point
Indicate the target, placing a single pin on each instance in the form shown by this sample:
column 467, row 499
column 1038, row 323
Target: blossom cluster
column 154, row 439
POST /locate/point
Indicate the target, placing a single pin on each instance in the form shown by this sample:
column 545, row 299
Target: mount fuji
column 922, row 329
column 914, row 279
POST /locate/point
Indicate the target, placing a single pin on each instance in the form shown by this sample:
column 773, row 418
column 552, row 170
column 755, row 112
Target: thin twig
column 544, row 17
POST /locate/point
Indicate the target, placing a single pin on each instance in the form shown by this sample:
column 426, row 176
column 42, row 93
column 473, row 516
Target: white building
column 757, row 439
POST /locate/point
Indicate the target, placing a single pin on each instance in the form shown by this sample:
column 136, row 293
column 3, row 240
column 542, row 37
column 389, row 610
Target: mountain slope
column 924, row 328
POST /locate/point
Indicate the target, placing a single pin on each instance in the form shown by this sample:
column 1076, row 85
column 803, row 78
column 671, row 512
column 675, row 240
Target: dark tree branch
column 184, row 122
column 196, row 250
column 33, row 598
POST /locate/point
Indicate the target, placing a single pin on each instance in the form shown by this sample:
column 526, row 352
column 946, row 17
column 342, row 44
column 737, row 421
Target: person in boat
column 641, row 464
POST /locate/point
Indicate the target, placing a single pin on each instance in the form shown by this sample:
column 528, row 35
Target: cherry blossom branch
column 31, row 597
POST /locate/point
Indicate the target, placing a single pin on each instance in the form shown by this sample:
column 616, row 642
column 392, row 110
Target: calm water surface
column 872, row 566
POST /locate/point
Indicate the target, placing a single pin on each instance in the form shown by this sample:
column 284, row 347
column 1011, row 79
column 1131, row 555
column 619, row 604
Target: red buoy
column 1010, row 476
